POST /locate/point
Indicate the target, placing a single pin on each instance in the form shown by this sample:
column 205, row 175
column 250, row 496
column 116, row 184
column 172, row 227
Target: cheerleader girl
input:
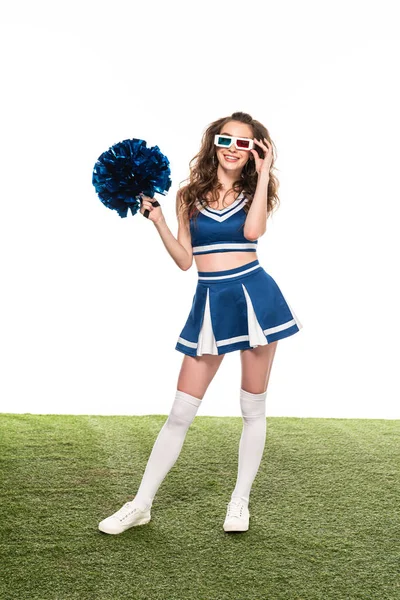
column 222, row 212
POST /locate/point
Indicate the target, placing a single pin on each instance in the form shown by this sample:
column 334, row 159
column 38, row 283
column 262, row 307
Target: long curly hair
column 203, row 179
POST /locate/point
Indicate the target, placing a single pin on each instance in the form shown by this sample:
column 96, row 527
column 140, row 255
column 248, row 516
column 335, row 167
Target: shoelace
column 235, row 509
column 123, row 512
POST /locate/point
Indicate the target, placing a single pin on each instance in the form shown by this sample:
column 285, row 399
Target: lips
column 227, row 157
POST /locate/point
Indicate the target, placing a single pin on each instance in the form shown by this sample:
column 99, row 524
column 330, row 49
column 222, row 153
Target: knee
column 176, row 422
column 252, row 405
column 183, row 411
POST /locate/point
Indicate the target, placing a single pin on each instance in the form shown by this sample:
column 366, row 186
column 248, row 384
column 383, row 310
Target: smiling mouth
column 230, row 159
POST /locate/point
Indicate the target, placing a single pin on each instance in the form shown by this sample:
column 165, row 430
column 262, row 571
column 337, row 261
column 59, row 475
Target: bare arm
column 179, row 249
column 256, row 220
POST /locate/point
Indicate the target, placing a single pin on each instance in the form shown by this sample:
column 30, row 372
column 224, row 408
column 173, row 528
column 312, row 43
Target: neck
column 227, row 178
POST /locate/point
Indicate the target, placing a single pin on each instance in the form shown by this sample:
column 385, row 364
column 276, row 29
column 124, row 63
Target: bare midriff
column 220, row 261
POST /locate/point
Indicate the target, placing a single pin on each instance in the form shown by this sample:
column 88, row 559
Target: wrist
column 160, row 222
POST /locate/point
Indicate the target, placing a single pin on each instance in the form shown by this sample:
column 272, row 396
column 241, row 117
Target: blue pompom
column 127, row 169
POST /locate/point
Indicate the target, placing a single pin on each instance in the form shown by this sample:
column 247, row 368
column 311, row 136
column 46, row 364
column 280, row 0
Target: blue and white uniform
column 233, row 309
column 221, row 230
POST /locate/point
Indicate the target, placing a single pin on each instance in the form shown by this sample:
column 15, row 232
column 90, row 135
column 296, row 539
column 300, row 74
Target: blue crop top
column 221, row 230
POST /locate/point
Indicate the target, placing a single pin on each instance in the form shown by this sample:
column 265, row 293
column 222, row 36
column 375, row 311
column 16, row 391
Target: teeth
column 230, row 157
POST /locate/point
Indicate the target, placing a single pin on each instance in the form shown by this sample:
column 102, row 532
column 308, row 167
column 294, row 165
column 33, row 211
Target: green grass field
column 324, row 511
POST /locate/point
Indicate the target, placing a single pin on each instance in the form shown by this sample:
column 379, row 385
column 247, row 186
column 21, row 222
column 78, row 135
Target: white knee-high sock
column 252, row 441
column 167, row 446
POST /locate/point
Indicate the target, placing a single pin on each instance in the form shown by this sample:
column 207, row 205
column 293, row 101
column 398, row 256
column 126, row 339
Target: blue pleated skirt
column 236, row 309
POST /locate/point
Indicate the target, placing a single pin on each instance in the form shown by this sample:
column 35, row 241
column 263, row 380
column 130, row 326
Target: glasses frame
column 233, row 140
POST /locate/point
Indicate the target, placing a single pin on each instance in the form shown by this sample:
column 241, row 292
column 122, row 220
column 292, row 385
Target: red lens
column 243, row 143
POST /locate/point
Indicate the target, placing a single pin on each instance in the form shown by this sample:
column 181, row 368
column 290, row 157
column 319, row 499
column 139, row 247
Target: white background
column 92, row 304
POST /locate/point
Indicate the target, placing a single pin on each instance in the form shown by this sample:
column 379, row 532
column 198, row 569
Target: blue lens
column 224, row 140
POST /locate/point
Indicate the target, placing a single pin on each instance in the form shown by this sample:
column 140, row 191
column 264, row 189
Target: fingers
column 147, row 206
column 146, row 202
column 265, row 147
column 142, row 197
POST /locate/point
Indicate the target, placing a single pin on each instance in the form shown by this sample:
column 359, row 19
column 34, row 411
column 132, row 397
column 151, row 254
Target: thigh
column 197, row 373
column 256, row 367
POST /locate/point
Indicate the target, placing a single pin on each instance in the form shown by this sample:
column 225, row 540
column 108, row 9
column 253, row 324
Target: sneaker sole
column 234, row 527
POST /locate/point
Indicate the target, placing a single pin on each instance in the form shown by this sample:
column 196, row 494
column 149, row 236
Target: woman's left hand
column 263, row 165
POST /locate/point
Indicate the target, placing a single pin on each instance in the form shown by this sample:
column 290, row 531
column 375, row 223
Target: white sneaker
column 126, row 517
column 237, row 516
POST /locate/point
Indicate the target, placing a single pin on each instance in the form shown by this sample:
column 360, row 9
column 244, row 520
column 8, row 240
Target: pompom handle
column 147, row 212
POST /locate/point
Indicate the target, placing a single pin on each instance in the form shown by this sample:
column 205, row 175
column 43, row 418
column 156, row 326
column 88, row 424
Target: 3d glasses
column 225, row 141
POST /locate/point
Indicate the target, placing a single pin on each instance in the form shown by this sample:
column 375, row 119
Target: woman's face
column 236, row 129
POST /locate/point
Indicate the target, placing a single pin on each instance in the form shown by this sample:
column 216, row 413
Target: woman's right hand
column 147, row 204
